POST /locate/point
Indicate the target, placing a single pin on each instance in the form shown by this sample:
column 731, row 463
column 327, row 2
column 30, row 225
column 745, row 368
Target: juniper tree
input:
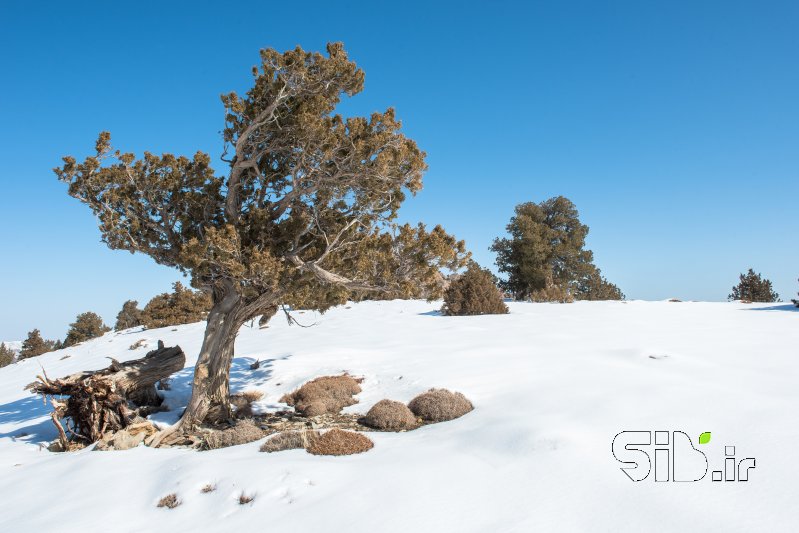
column 596, row 287
column 302, row 215
column 181, row 306
column 6, row 355
column 544, row 258
column 129, row 316
column 753, row 287
column 35, row 345
column 87, row 326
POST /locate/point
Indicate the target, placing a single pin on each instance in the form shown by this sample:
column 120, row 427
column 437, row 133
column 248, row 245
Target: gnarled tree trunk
column 210, row 395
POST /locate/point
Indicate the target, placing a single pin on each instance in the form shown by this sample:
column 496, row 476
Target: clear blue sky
column 674, row 127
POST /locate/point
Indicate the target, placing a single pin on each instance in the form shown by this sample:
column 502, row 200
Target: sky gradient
column 673, row 126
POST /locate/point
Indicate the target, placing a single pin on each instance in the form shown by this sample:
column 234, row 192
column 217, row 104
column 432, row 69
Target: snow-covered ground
column 552, row 385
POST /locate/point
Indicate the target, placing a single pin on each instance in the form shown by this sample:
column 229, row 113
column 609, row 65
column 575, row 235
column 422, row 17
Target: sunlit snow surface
column 552, row 384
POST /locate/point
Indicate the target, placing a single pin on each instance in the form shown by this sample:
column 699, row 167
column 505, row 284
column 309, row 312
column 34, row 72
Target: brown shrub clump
column 440, row 405
column 244, row 499
column 170, row 501
column 390, row 415
column 289, row 440
column 474, row 293
column 340, row 442
column 324, row 395
column 243, row 432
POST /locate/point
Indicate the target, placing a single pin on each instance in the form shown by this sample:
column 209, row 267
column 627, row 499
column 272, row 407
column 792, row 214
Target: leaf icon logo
column 704, row 438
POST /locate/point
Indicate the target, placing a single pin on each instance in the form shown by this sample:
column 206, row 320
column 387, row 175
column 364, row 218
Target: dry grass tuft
column 390, row 415
column 138, row 344
column 252, row 395
column 170, row 501
column 243, row 402
column 324, row 395
column 288, row 440
column 208, row 488
column 440, row 405
column 243, row 432
column 244, row 499
column 340, row 442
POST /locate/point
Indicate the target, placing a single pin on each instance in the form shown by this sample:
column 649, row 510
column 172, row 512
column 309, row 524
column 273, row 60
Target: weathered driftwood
column 108, row 400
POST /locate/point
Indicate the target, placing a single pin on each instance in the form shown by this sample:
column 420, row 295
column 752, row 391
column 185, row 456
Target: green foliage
column 596, row 287
column 34, row 345
column 474, row 293
column 304, row 212
column 129, row 317
column 544, row 258
column 307, row 202
column 6, row 355
column 413, row 258
column 87, row 326
column 181, row 306
column 754, row 288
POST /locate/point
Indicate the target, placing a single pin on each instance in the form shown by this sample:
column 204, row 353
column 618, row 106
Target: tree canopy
column 303, row 214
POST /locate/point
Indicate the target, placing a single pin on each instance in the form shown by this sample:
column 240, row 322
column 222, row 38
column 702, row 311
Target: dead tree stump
column 108, row 400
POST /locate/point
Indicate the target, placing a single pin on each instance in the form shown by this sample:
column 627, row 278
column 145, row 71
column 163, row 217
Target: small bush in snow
column 243, row 432
column 390, row 415
column 243, row 402
column 474, row 293
column 324, row 395
column 440, row 405
column 288, row 440
column 340, row 442
column 169, row 501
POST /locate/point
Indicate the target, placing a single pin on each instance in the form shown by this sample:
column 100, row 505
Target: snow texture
column 552, row 384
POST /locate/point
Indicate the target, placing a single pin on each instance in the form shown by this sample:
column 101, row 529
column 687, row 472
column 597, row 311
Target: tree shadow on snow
column 32, row 410
column 242, row 378
column 784, row 307
column 435, row 312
